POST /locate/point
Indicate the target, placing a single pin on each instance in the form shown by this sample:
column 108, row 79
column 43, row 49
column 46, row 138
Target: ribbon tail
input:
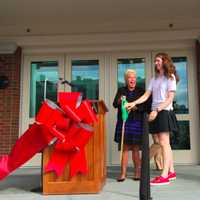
column 78, row 163
column 4, row 170
column 57, row 162
column 30, row 143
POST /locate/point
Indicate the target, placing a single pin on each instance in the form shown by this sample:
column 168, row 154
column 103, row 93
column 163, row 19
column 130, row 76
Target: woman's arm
column 140, row 100
column 162, row 106
column 117, row 99
column 168, row 101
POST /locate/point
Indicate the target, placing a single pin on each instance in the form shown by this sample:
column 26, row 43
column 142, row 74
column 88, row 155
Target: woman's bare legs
column 136, row 161
column 156, row 152
column 164, row 141
column 124, row 162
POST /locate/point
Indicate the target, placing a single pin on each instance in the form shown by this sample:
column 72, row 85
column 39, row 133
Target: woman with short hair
column 133, row 125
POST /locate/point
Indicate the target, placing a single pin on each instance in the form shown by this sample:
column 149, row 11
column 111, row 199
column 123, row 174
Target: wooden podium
column 96, row 161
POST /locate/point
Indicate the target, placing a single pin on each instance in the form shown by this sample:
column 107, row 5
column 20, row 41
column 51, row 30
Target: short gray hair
column 129, row 71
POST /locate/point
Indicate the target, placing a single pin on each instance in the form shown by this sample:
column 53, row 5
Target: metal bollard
column 145, row 193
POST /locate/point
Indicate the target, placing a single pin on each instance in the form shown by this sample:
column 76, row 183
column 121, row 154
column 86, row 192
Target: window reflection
column 42, row 73
column 181, row 140
column 85, row 75
column 138, row 64
column 181, row 98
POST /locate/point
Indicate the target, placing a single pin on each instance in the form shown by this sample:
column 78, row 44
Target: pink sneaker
column 172, row 176
column 159, row 181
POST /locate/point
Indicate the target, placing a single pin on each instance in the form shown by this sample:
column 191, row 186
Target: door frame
column 180, row 156
column 114, row 154
column 25, row 120
column 87, row 56
column 108, row 88
column 188, row 156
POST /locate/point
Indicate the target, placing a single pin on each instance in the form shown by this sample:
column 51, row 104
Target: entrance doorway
column 99, row 75
column 184, row 144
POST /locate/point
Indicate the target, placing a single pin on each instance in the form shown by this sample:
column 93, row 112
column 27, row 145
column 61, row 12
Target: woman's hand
column 130, row 106
column 152, row 115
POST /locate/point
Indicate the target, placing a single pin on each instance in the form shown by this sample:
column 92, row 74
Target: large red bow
column 72, row 151
column 66, row 125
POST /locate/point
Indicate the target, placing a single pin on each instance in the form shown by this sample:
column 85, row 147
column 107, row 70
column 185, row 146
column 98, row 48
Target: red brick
column 9, row 101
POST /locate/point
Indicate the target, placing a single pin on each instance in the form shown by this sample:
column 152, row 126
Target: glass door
column 43, row 84
column 141, row 63
column 40, row 81
column 86, row 74
column 185, row 143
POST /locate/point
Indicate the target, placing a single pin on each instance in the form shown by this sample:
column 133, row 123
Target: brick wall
column 9, row 100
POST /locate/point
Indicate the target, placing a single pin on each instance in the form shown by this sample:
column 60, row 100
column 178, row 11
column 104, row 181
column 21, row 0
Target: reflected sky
column 134, row 63
column 49, row 69
column 138, row 67
column 41, row 73
column 181, row 97
column 85, row 72
column 182, row 86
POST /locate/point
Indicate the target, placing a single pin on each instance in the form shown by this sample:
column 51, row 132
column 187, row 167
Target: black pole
column 145, row 193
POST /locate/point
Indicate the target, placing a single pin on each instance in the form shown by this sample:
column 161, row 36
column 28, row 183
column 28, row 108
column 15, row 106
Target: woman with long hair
column 162, row 119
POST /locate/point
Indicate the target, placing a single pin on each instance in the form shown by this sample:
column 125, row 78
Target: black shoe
column 121, row 179
column 136, row 178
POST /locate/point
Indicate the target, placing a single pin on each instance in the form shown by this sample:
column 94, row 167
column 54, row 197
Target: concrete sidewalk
column 187, row 186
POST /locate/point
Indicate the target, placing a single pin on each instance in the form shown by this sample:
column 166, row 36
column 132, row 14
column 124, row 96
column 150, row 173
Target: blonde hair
column 129, row 71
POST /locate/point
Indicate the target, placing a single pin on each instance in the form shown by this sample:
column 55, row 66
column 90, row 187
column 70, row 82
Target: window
column 181, row 98
column 138, row 64
column 181, row 140
column 85, row 77
column 44, row 77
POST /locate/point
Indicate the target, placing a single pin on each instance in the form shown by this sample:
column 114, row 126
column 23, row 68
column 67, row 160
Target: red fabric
column 72, row 148
column 51, row 123
column 35, row 139
column 63, row 124
column 70, row 112
column 57, row 162
column 69, row 98
column 4, row 167
column 50, row 116
column 71, row 151
column 86, row 113
column 78, row 163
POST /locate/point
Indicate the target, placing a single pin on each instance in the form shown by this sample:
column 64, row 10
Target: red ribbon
column 35, row 139
column 72, row 151
column 52, row 123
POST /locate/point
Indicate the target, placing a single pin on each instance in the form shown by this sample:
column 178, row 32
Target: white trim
column 103, row 38
column 190, row 155
column 110, row 48
column 114, row 154
column 7, row 48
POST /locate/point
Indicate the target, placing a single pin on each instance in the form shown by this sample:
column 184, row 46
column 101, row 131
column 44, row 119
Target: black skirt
column 165, row 122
